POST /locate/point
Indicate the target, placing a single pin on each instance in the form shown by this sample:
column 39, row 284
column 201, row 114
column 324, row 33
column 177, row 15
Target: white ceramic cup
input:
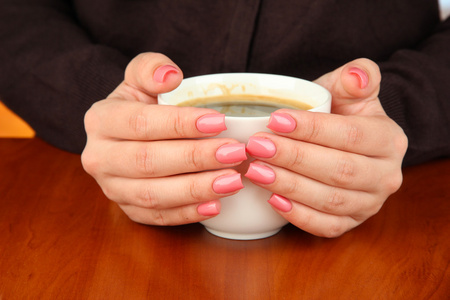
column 247, row 215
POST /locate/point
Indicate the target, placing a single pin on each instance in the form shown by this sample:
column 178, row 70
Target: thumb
column 148, row 75
column 354, row 87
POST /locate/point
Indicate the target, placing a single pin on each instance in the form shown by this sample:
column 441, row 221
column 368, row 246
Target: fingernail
column 208, row 209
column 280, row 203
column 361, row 75
column 211, row 123
column 281, row 123
column 261, row 147
column 161, row 73
column 228, row 184
column 231, row 153
column 260, row 173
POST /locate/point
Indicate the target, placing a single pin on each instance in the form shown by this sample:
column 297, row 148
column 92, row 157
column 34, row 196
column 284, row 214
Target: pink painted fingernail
column 211, row 123
column 280, row 203
column 162, row 72
column 208, row 209
column 281, row 122
column 260, row 173
column 261, row 147
column 228, row 184
column 361, row 75
column 231, row 153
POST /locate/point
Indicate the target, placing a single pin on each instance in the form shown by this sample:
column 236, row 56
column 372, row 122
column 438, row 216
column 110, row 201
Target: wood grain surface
column 60, row 238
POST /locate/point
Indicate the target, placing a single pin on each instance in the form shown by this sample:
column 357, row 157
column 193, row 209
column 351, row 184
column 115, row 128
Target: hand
column 146, row 156
column 331, row 172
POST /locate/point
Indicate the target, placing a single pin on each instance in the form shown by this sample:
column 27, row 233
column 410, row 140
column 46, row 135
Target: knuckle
column 344, row 172
column 141, row 64
column 91, row 120
column 90, row 162
column 394, row 182
column 145, row 160
column 195, row 191
column 169, row 218
column 291, row 188
column 372, row 210
column 147, row 199
column 107, row 192
column 138, row 124
column 114, row 195
column 297, row 158
column 334, row 230
column 401, row 143
column 394, row 140
column 353, row 135
column 159, row 218
column 336, row 200
column 178, row 124
column 94, row 116
column 194, row 157
column 313, row 128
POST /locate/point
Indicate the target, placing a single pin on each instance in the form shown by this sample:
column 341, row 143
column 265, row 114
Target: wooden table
column 60, row 238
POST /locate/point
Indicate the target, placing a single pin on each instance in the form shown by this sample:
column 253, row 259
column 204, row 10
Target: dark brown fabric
column 58, row 57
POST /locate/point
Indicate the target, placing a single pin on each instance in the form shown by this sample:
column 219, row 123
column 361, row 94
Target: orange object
column 12, row 126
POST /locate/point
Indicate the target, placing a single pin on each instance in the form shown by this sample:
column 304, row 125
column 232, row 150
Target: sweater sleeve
column 51, row 71
column 415, row 92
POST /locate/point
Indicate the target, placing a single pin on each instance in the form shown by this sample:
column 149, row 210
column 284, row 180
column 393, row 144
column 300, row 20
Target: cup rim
column 250, row 74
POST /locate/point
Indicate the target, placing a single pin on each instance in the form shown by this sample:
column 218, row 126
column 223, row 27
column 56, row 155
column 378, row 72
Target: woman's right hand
column 150, row 158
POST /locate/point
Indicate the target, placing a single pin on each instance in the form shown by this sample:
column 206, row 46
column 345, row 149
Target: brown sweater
column 58, row 57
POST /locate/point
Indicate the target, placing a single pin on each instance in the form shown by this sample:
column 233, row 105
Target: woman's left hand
column 331, row 172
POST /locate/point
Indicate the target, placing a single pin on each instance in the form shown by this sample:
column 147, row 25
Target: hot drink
column 245, row 105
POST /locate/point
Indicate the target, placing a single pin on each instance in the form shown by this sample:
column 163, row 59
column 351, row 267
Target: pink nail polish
column 162, row 72
column 208, row 209
column 231, row 153
column 228, row 184
column 261, row 147
column 211, row 123
column 260, row 173
column 280, row 203
column 361, row 75
column 281, row 122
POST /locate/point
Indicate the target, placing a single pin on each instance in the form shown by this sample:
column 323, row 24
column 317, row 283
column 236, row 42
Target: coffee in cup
column 242, row 105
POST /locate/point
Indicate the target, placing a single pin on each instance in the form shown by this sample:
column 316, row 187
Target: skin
column 336, row 169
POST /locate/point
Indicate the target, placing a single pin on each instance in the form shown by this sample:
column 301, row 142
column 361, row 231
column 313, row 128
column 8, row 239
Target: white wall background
column 445, row 8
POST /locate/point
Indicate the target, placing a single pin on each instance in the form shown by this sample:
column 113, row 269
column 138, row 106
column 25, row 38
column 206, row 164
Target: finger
column 127, row 120
column 173, row 216
column 311, row 220
column 147, row 75
column 315, row 194
column 174, row 191
column 327, row 165
column 164, row 158
column 354, row 87
column 371, row 136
